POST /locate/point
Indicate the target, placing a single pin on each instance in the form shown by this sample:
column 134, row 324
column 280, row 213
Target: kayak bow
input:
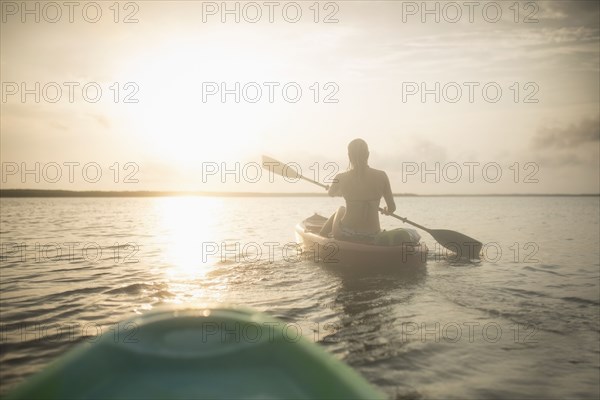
column 215, row 353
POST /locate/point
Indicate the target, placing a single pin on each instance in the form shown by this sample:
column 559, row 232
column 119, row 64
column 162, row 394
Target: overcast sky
column 373, row 59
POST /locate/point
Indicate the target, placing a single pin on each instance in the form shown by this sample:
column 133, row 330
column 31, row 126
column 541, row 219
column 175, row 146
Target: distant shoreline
column 29, row 193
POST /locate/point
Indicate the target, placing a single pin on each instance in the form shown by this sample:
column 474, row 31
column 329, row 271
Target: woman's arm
column 387, row 194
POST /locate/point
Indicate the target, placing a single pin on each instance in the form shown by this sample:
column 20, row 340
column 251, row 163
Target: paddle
column 286, row 170
column 464, row 246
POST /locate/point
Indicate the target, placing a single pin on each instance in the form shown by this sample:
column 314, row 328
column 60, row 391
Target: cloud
column 421, row 150
column 570, row 159
column 566, row 36
column 57, row 125
column 427, row 150
column 101, row 120
column 565, row 149
column 581, row 11
column 573, row 135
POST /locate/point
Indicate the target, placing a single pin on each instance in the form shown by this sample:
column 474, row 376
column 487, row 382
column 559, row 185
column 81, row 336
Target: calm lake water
column 521, row 323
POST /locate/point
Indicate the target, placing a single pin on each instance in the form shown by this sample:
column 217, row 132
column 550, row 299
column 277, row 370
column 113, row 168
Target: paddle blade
column 279, row 168
column 463, row 246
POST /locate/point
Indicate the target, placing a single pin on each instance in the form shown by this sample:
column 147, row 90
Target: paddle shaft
column 315, row 182
column 282, row 169
column 405, row 220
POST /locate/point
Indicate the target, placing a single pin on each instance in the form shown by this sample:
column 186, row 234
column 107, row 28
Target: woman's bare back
column 363, row 192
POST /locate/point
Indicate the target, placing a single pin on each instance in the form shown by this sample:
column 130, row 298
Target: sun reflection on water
column 187, row 223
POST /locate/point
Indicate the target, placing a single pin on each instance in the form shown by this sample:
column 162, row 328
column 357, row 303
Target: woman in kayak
column 362, row 187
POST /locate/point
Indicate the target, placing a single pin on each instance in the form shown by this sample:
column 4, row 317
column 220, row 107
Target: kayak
column 213, row 353
column 344, row 253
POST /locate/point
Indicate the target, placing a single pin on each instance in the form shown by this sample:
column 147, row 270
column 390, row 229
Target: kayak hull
column 348, row 254
column 208, row 353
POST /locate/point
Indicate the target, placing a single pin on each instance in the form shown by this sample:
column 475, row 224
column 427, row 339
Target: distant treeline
column 99, row 193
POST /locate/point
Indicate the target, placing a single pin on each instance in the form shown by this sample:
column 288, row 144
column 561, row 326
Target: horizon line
column 27, row 193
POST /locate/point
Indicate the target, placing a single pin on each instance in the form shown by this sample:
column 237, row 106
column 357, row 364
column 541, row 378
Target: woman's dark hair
column 358, row 153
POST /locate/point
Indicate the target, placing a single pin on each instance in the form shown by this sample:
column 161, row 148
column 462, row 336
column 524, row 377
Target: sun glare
column 174, row 123
column 188, row 225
